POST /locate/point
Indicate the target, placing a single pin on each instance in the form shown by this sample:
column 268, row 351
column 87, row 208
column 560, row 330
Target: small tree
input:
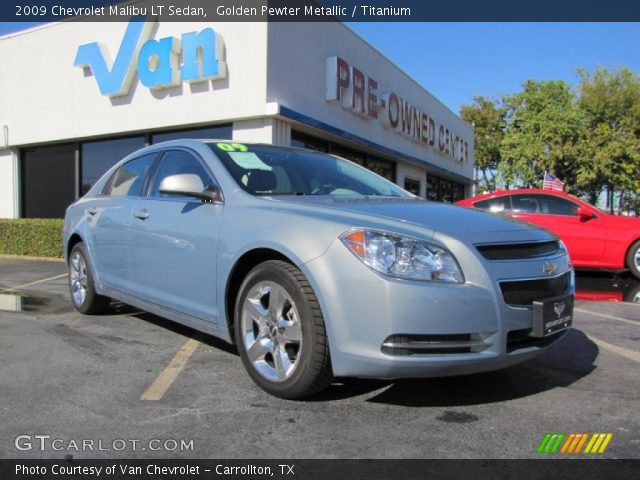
column 487, row 117
column 543, row 125
column 609, row 148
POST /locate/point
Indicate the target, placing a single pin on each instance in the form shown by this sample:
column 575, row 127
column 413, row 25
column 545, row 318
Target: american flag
column 552, row 183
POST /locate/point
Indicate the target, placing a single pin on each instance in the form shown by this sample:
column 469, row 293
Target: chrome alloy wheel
column 271, row 331
column 636, row 259
column 78, row 278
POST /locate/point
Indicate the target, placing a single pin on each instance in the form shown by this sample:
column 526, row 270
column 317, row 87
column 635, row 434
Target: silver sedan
column 314, row 266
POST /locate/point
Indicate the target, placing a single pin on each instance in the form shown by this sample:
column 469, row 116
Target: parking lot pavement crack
column 180, row 412
column 81, row 342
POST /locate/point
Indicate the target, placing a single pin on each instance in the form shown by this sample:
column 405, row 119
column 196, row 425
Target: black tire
column 631, row 263
column 91, row 303
column 312, row 372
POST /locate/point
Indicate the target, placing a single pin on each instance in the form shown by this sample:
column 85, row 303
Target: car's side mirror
column 585, row 215
column 190, row 185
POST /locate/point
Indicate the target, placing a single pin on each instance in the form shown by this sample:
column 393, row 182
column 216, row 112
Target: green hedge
column 39, row 237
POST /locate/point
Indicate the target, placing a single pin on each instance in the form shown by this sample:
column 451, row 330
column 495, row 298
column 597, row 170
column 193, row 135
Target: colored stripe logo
column 573, row 443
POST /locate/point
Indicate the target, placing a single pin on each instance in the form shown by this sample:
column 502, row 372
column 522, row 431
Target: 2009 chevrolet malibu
column 314, row 266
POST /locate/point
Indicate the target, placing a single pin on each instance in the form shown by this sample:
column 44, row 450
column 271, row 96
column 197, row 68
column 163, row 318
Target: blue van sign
column 162, row 63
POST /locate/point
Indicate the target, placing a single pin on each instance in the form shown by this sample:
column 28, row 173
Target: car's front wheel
column 81, row 283
column 633, row 259
column 280, row 332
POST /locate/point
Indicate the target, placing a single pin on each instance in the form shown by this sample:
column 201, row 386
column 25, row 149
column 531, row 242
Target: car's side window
column 496, row 204
column 543, row 204
column 558, row 206
column 177, row 162
column 525, row 204
column 129, row 179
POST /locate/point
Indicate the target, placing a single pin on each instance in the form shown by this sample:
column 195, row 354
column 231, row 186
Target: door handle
column 142, row 214
column 92, row 211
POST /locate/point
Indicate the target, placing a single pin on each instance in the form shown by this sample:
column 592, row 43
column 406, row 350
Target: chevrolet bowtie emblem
column 550, row 268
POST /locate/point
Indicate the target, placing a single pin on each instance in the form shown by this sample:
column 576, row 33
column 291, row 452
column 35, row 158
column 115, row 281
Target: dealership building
column 77, row 97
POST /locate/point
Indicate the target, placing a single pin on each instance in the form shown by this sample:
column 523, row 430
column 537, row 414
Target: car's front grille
column 434, row 344
column 522, row 293
column 520, row 339
column 518, row 251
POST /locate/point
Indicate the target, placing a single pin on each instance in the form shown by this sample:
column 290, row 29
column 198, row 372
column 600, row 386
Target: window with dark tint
column 48, row 180
column 458, row 191
column 382, row 167
column 176, row 162
column 442, row 190
column 303, row 140
column 545, row 204
column 412, row 185
column 433, row 188
column 98, row 157
column 446, row 191
column 129, row 178
column 220, row 131
column 525, row 204
column 349, row 153
column 497, row 204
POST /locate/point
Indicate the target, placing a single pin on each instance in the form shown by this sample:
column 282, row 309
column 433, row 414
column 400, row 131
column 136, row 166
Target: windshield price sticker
column 232, row 147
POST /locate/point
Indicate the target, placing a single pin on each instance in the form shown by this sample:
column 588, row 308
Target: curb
column 30, row 258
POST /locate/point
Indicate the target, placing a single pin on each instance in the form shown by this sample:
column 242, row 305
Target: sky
column 456, row 61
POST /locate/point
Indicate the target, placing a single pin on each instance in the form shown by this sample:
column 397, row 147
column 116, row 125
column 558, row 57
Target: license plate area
column 552, row 315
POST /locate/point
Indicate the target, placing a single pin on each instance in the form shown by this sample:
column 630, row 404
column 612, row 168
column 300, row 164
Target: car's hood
column 455, row 221
column 621, row 220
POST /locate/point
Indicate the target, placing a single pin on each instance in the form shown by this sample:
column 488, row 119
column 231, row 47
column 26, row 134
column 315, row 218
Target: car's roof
column 515, row 191
column 185, row 140
column 191, row 142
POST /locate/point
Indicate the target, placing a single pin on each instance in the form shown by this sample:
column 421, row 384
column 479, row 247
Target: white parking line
column 25, row 285
column 166, row 378
column 624, row 352
column 610, row 317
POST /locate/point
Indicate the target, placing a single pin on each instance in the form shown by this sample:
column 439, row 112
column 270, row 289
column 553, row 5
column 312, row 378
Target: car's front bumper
column 465, row 328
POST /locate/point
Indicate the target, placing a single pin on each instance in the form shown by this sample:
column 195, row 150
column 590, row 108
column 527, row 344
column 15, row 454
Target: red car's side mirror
column 585, row 215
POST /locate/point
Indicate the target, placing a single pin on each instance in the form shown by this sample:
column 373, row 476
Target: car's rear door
column 174, row 241
column 109, row 223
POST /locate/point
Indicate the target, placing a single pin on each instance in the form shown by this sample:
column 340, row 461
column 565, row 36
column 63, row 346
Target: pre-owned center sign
column 359, row 93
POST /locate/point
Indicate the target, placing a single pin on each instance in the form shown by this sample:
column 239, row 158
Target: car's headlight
column 403, row 257
column 562, row 247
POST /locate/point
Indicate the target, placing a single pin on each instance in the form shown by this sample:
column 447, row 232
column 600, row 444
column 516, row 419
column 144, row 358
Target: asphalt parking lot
column 135, row 377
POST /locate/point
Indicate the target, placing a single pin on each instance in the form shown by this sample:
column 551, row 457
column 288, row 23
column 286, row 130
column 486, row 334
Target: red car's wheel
column 633, row 259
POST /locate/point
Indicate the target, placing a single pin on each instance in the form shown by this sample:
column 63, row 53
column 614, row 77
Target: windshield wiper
column 273, row 194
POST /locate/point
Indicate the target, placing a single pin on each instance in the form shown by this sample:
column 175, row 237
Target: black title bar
column 325, row 10
column 319, row 469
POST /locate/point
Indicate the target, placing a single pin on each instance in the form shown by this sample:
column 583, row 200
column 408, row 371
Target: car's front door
column 175, row 242
column 585, row 239
column 109, row 221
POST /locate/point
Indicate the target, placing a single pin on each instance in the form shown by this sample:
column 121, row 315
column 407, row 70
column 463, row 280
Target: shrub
column 40, row 237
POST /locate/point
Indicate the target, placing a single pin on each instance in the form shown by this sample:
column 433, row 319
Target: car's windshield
column 271, row 170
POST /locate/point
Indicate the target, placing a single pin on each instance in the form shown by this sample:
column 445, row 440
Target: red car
column 594, row 238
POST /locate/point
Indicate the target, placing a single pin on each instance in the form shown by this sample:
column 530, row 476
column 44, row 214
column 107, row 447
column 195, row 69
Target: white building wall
column 263, row 130
column 297, row 79
column 405, row 170
column 45, row 98
column 8, row 184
